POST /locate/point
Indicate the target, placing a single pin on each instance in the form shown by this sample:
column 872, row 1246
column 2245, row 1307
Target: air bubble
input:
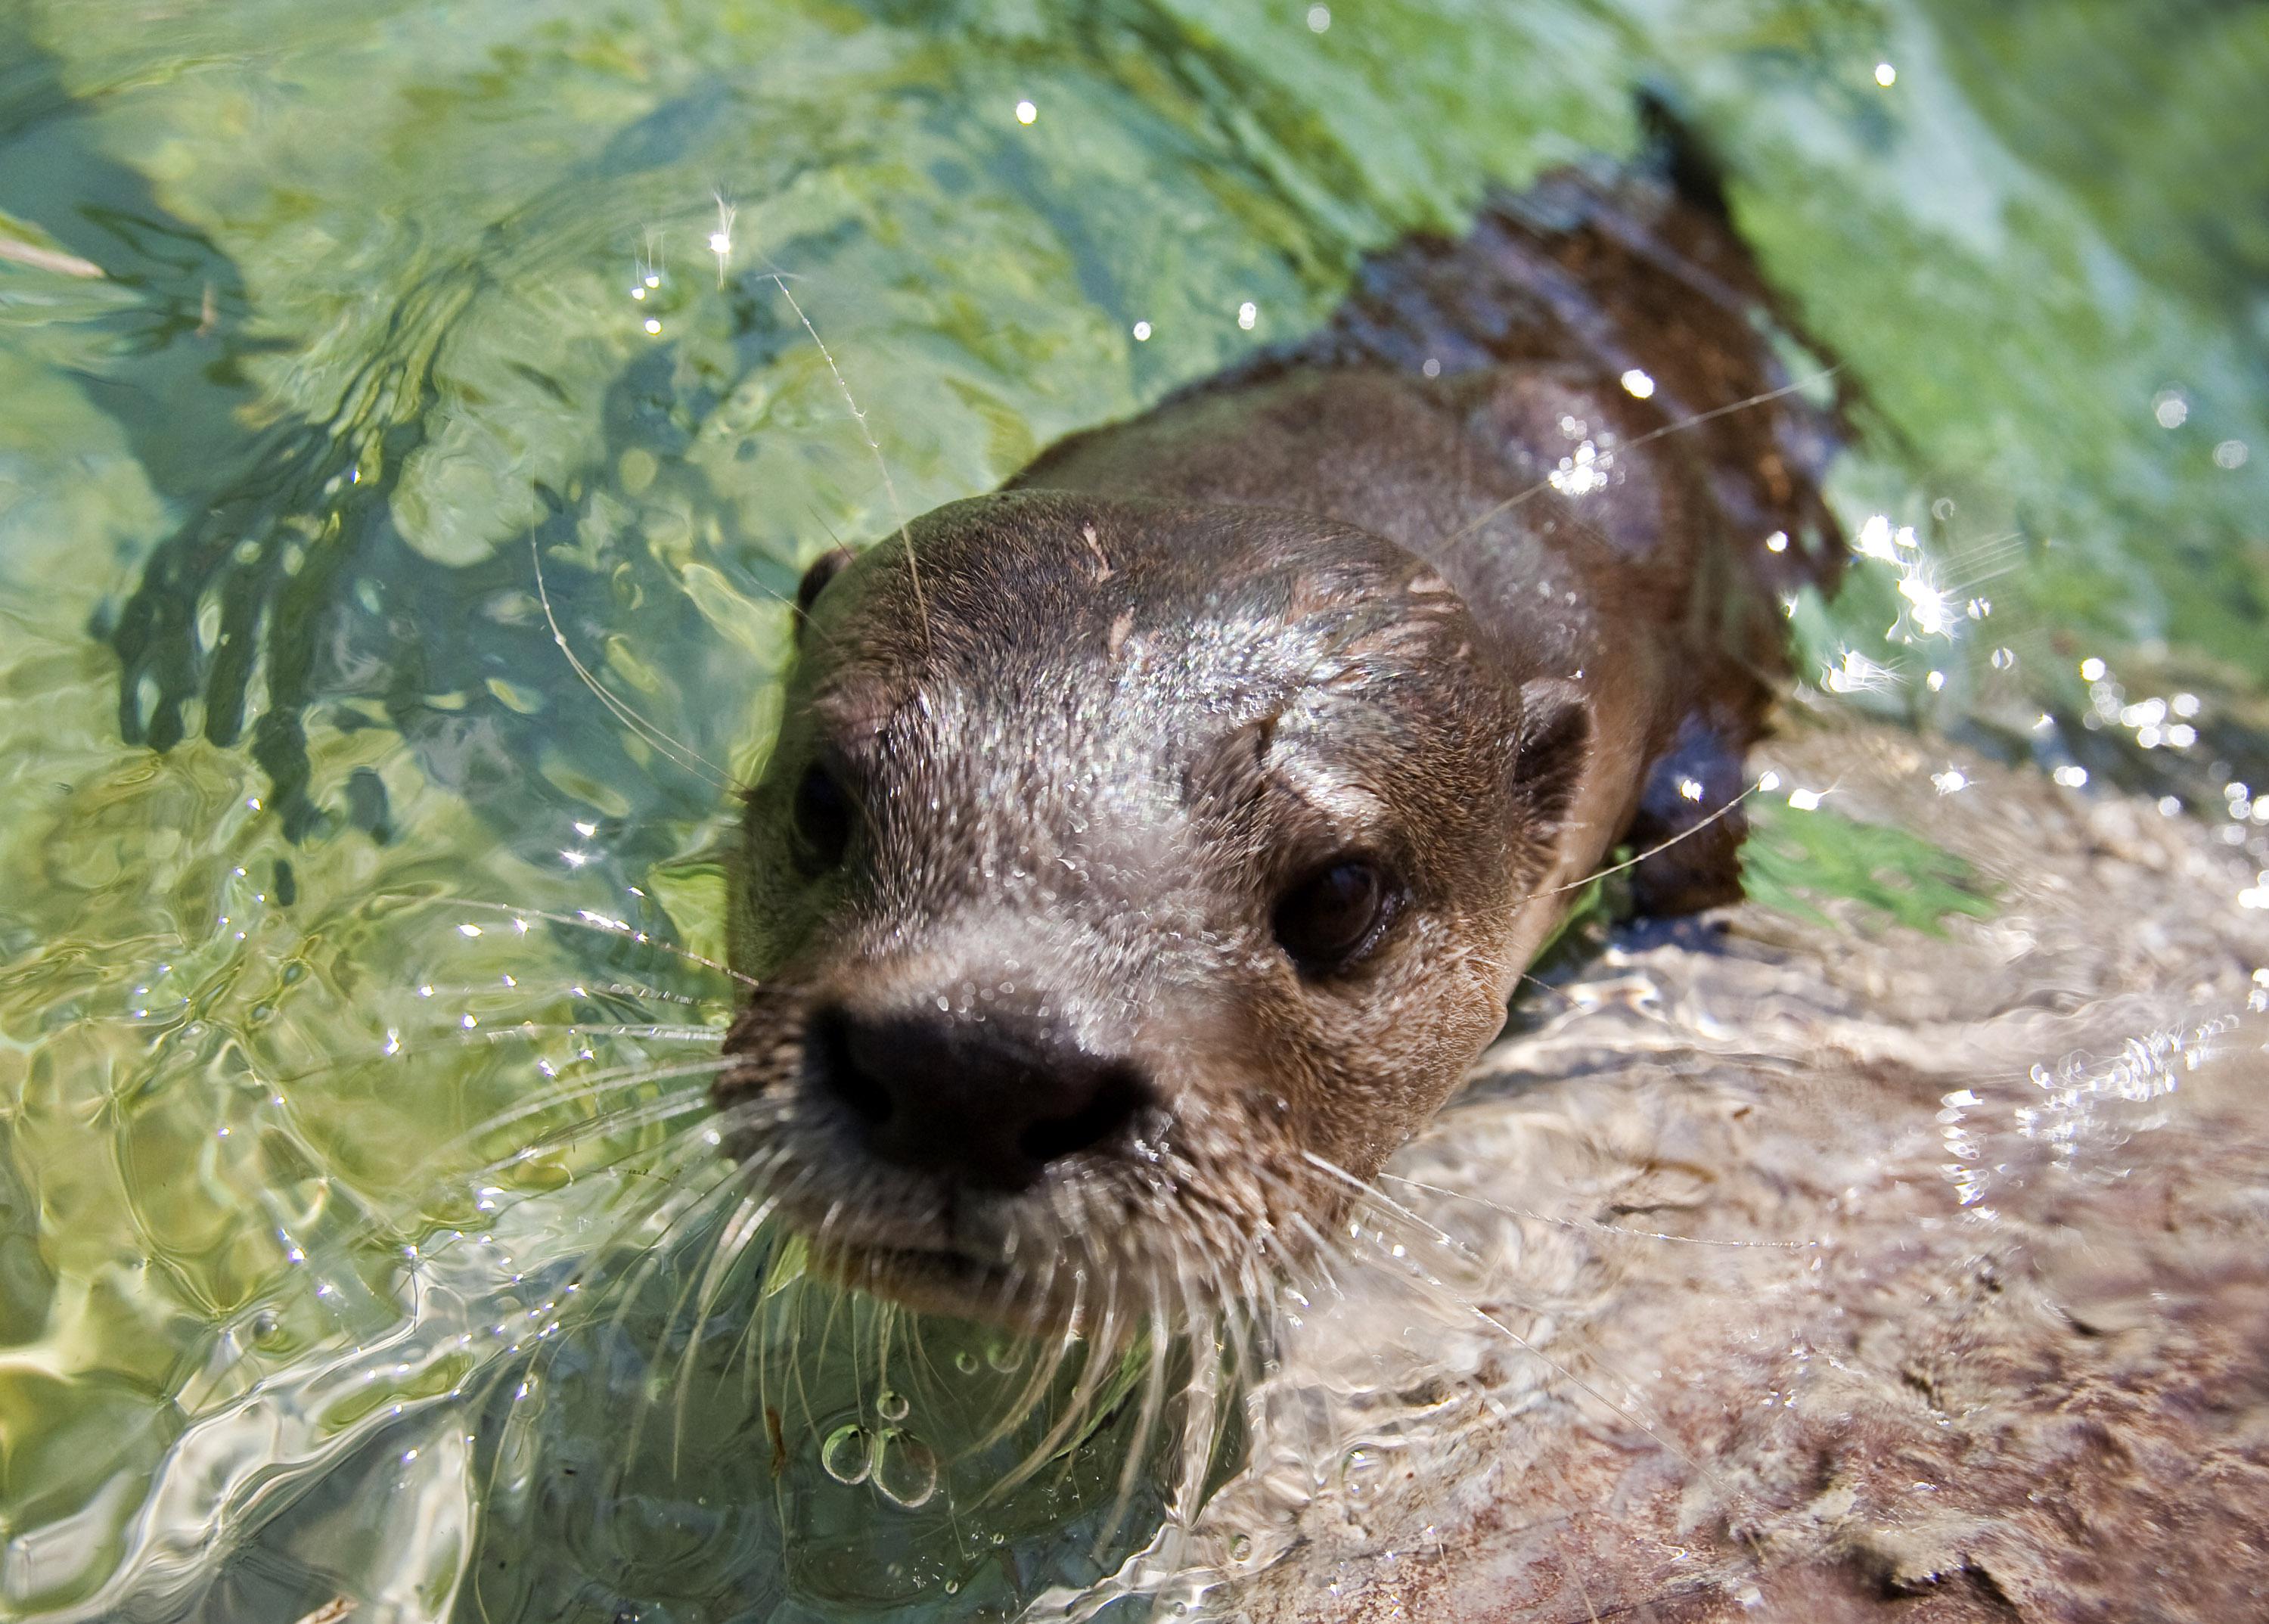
column 892, row 1407
column 905, row 1468
column 847, row 1456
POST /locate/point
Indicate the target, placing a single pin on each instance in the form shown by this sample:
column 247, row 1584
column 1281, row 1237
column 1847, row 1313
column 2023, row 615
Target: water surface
column 322, row 329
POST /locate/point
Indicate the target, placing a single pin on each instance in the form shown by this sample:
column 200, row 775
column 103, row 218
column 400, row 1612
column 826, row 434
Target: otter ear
column 1555, row 740
column 823, row 569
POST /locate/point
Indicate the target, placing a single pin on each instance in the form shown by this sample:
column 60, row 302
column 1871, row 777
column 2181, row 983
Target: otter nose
column 988, row 1101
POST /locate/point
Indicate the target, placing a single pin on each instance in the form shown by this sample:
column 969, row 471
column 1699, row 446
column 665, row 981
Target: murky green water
column 321, row 326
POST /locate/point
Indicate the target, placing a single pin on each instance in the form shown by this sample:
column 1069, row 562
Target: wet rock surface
column 1834, row 1272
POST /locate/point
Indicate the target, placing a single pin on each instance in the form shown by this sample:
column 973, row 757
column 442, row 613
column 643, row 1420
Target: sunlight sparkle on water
column 1927, row 604
column 1141, row 332
column 1854, row 673
column 1583, row 473
column 1637, row 384
column 1320, row 18
column 2171, row 408
column 1885, row 75
column 1026, row 112
column 720, row 240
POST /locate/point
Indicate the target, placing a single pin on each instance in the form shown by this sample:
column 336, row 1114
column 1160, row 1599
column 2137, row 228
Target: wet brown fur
column 1331, row 599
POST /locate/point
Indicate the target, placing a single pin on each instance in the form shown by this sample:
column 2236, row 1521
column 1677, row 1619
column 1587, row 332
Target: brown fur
column 1332, row 601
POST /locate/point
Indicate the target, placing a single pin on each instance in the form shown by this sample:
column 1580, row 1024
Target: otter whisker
column 1624, row 447
column 1596, row 1228
column 688, row 1204
column 519, row 1031
column 1076, row 1404
column 587, row 919
column 1691, row 830
column 731, row 1245
column 1495, row 1323
column 882, row 464
column 392, row 1218
column 683, row 754
column 553, row 1099
column 1147, row 1417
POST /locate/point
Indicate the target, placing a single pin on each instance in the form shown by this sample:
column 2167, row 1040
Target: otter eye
column 822, row 816
column 1326, row 920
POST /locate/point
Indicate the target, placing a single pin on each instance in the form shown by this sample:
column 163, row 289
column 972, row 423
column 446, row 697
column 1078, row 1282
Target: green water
column 319, row 326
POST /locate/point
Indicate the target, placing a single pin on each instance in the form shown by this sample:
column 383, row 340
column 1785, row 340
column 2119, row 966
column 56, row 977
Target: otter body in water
column 1151, row 847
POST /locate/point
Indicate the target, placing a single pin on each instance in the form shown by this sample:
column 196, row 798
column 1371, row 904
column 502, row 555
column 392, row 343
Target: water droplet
column 846, row 1456
column 1004, row 1357
column 1359, row 1470
column 966, row 1362
column 1240, row 1548
column 892, row 1407
column 905, row 1468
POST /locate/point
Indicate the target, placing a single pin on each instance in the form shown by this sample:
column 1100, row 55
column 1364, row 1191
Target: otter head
column 1124, row 881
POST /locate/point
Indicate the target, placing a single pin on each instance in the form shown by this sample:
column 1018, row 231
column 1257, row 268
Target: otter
column 1150, row 847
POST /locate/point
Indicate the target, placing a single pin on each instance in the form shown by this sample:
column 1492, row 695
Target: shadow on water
column 288, row 587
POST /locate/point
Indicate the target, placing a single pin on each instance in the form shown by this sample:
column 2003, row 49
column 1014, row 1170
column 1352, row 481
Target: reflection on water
column 351, row 1232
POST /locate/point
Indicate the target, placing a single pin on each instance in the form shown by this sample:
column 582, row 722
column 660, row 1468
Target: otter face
column 1124, row 881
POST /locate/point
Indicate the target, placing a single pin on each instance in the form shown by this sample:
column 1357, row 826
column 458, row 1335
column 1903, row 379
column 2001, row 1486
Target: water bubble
column 966, row 1362
column 1320, row 18
column 1240, row 1548
column 1004, row 1357
column 905, row 1468
column 1359, row 1470
column 846, row 1456
column 891, row 1405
